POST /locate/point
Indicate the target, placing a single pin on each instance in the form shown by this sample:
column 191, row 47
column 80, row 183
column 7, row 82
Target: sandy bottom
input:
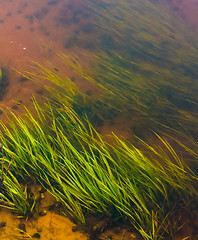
column 49, row 227
column 56, row 227
column 52, row 225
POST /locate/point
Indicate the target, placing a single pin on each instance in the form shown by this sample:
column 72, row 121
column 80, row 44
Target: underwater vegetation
column 64, row 153
column 144, row 62
column 140, row 68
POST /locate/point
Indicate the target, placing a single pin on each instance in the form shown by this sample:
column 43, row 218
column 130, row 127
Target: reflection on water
column 148, row 43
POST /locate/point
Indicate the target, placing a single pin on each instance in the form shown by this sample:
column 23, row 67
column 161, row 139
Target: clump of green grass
column 88, row 175
column 15, row 197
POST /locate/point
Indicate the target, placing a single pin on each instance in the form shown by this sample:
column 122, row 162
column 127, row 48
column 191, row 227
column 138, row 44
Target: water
column 140, row 61
column 32, row 31
column 156, row 44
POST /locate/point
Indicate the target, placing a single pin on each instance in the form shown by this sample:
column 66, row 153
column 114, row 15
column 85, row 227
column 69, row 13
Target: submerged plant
column 61, row 149
column 14, row 196
column 88, row 175
column 138, row 68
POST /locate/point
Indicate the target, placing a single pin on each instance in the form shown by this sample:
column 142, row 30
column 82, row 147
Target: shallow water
column 31, row 31
column 151, row 47
column 36, row 30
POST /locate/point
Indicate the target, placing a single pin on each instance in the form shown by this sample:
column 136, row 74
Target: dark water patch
column 190, row 70
column 89, row 92
column 184, row 102
column 47, row 33
column 137, row 127
column 1, row 21
column 54, row 2
column 87, row 28
column 72, row 13
column 40, row 92
column 75, row 41
column 18, row 27
column 77, row 16
column 86, row 15
column 32, row 30
column 76, row 19
column 107, row 41
column 30, row 18
column 16, row 106
column 3, row 82
column 88, row 45
column 56, row 69
column 20, row 12
column 176, row 9
column 24, row 79
column 97, row 111
column 22, row 7
column 41, row 13
column 77, row 12
column 105, row 5
column 164, row 44
column 9, row 14
column 181, row 99
column 64, row 17
column 71, row 42
column 70, row 6
column 44, row 30
column 77, row 31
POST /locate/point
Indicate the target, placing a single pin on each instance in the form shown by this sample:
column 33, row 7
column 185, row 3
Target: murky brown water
column 187, row 9
column 33, row 31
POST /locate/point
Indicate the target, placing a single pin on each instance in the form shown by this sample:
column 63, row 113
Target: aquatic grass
column 61, row 149
column 67, row 90
column 88, row 175
column 144, row 70
column 149, row 94
column 14, row 196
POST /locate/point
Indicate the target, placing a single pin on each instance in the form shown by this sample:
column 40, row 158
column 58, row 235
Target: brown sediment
column 51, row 226
column 39, row 226
column 47, row 222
